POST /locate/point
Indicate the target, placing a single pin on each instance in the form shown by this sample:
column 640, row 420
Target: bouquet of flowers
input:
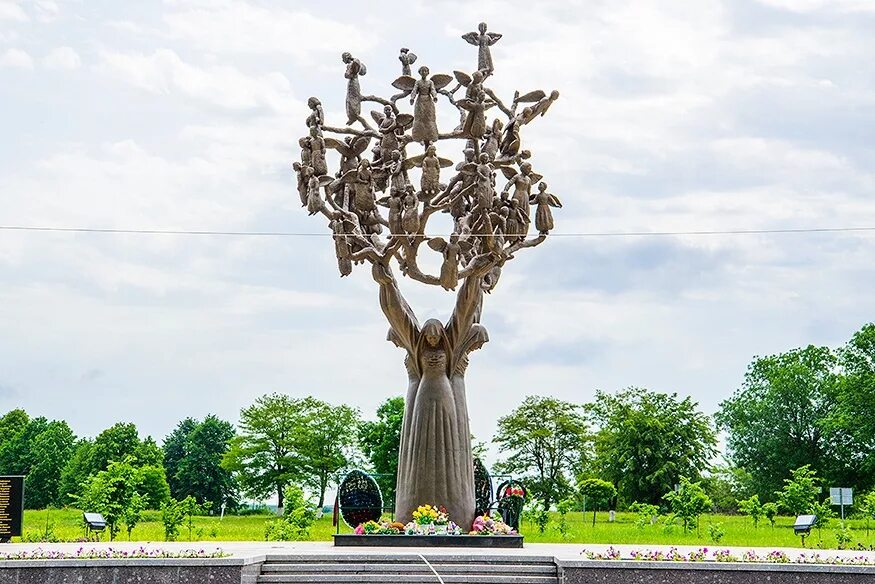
column 381, row 528
column 442, row 517
column 486, row 525
column 426, row 514
column 514, row 491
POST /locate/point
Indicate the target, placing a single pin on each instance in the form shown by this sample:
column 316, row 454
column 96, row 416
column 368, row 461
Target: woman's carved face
column 432, row 339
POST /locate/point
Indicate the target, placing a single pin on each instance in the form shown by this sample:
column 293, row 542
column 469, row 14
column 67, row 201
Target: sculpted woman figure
column 434, row 461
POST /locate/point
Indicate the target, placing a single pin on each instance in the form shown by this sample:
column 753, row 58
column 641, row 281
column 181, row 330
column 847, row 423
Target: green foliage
column 752, row 508
column 688, row 502
column 563, row 507
column 646, row 441
column 823, row 511
column 866, row 507
column 770, row 511
column 298, row 517
column 597, row 493
column 776, row 422
column 645, row 513
column 799, row 495
column 544, row 440
column 844, row 536
column 380, row 441
column 152, row 485
column 716, row 532
column 193, row 455
column 172, row 517
column 76, row 472
column 283, row 440
column 112, row 492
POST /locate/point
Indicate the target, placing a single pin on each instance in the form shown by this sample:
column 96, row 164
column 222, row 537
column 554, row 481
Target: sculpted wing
column 437, row 244
column 441, row 80
column 338, row 145
column 532, row 96
column 404, row 83
column 413, row 161
column 463, row 78
column 472, row 37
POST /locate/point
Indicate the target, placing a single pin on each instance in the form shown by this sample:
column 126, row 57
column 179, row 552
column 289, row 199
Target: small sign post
column 11, row 506
column 841, row 496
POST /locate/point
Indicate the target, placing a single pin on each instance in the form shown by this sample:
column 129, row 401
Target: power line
column 305, row 234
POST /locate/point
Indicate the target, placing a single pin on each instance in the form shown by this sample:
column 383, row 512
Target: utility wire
column 305, row 234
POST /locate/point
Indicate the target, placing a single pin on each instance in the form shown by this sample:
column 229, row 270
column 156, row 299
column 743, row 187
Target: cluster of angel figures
column 488, row 226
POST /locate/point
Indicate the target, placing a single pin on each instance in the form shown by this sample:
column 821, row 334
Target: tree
column 298, row 517
column 800, row 491
column 596, row 492
column 264, row 454
column 326, row 445
column 76, row 472
column 646, row 441
column 544, row 439
column 379, row 441
column 49, row 452
column 152, row 486
column 776, row 421
column 113, row 493
column 853, row 418
column 752, row 508
column 175, row 447
column 688, row 502
column 193, row 455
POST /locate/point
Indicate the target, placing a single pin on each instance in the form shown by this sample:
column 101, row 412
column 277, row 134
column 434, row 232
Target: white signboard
column 841, row 496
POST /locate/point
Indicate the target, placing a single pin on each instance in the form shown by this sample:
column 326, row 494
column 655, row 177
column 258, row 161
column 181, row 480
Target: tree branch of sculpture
column 488, row 227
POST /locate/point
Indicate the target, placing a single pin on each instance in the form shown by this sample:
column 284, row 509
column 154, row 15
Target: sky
column 185, row 115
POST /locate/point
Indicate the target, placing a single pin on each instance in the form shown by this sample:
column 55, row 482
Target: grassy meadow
column 66, row 525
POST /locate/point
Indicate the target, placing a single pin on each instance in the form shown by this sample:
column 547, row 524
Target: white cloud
column 64, row 58
column 12, row 11
column 233, row 26
column 163, row 72
column 46, row 10
column 16, row 59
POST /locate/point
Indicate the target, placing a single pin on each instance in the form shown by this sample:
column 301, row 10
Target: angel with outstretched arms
column 483, row 40
column 543, row 214
column 431, row 165
column 423, row 92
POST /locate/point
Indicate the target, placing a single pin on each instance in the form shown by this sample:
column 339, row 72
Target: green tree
column 752, row 508
column 193, row 453
column 76, row 472
column 596, row 492
column 264, row 454
column 800, row 491
column 776, row 422
column 867, row 509
column 688, row 502
column 11, row 424
column 326, row 445
column 49, row 452
column 853, row 418
column 544, row 439
column 645, row 441
column 380, row 440
column 298, row 517
column 112, row 493
column 152, row 486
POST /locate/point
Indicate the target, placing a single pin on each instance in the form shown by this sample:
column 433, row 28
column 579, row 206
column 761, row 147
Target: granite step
column 394, row 577
column 449, row 568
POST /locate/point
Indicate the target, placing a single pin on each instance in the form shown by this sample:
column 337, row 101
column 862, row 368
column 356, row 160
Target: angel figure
column 362, row 181
column 350, row 150
column 522, row 183
column 395, row 203
column 342, row 246
column 431, row 166
column 396, row 169
column 543, row 214
column 483, row 40
column 317, row 116
column 516, row 224
column 423, row 92
column 453, row 251
column 459, row 186
column 317, row 152
column 410, row 216
column 315, row 204
column 407, row 59
column 354, row 69
column 493, row 138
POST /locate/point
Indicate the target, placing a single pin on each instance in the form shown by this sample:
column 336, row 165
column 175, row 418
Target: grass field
column 66, row 525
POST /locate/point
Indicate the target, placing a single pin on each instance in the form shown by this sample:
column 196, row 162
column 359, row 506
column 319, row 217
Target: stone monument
column 378, row 215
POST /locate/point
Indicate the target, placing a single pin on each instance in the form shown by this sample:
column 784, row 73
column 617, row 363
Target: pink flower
column 360, row 530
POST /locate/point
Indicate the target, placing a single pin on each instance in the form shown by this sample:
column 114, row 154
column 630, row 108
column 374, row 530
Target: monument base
column 431, row 541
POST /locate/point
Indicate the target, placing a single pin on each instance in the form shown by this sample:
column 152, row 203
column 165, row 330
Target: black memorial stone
column 11, row 506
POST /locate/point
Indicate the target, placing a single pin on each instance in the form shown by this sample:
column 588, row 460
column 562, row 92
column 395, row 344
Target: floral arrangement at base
column 486, row 525
column 380, row 528
column 725, row 555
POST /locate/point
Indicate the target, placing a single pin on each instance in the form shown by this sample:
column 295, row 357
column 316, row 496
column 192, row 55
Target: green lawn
column 66, row 525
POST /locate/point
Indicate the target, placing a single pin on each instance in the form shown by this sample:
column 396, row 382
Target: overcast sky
column 674, row 115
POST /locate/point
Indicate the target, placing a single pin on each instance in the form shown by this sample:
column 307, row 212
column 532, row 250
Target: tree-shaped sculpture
column 489, row 227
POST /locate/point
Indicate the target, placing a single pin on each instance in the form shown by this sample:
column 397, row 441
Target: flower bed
column 725, row 555
column 434, row 520
column 112, row 554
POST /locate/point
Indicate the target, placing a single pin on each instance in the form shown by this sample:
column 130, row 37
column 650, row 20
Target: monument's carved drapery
column 378, row 216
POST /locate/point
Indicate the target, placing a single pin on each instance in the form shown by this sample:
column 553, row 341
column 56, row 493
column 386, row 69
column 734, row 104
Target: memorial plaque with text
column 11, row 506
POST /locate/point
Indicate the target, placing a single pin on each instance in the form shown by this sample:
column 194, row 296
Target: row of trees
column 811, row 406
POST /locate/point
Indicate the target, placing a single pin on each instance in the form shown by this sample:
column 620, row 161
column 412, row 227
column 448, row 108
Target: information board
column 11, row 506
